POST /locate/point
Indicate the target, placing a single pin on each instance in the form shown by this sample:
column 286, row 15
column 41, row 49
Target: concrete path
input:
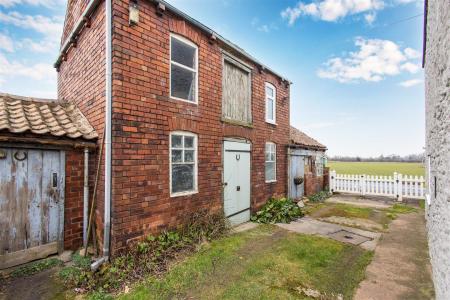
column 306, row 225
column 366, row 201
column 400, row 268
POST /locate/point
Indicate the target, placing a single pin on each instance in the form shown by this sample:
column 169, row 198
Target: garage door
column 31, row 204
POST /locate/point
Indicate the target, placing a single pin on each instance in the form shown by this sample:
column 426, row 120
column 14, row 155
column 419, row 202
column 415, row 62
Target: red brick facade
column 73, row 202
column 144, row 115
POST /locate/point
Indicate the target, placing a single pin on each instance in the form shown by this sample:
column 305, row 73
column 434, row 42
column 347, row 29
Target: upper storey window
column 183, row 69
column 236, row 92
column 270, row 103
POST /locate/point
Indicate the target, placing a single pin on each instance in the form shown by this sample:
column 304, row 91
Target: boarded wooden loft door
column 31, row 204
column 236, row 93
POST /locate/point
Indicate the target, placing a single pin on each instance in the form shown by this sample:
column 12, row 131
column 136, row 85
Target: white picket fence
column 398, row 186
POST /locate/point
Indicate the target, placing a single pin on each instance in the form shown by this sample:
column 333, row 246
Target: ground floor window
column 183, row 163
column 271, row 162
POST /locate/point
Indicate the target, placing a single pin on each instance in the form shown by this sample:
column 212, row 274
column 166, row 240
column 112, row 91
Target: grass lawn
column 379, row 216
column 263, row 263
column 377, row 168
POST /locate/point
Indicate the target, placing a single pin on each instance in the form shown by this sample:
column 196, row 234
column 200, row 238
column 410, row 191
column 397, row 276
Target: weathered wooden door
column 236, row 181
column 31, row 204
column 296, row 169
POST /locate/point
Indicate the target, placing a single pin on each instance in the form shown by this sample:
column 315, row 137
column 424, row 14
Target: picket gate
column 397, row 186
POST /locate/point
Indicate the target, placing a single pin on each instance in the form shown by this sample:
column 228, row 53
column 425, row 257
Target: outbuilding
column 307, row 173
column 44, row 147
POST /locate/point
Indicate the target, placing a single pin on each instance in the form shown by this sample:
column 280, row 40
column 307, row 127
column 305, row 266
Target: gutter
column 71, row 40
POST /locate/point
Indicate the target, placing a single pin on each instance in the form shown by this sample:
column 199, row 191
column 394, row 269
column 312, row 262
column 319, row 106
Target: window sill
column 237, row 123
column 271, row 123
column 183, row 100
column 181, row 194
column 271, row 181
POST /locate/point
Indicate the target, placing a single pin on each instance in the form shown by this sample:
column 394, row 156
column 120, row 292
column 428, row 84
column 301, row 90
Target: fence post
column 332, row 176
column 399, row 187
column 362, row 185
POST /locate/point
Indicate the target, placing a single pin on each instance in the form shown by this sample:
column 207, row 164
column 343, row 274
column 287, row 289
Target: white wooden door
column 236, row 181
column 31, row 204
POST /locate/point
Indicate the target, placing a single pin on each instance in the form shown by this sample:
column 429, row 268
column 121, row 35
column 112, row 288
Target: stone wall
column 437, row 85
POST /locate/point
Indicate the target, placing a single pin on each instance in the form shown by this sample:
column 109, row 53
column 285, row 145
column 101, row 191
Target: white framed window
column 183, row 163
column 271, row 99
column 183, row 69
column 271, row 162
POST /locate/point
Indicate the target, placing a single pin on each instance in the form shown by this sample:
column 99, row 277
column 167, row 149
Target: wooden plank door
column 31, row 204
column 236, row 179
column 297, row 168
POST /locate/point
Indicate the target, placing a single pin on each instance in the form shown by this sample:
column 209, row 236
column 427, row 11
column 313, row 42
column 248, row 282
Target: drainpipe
column 108, row 107
column 85, row 195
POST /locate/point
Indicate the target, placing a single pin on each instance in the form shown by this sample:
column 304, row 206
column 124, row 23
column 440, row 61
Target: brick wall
column 73, row 202
column 437, row 91
column 144, row 116
column 81, row 79
column 313, row 183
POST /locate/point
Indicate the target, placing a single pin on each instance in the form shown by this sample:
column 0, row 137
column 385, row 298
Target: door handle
column 238, row 188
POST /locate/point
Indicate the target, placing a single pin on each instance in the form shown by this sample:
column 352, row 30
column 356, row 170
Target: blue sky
column 355, row 64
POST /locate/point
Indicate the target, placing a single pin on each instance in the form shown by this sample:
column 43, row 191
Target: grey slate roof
column 42, row 116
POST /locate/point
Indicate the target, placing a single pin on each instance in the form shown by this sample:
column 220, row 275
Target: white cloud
column 411, row 53
column 50, row 27
column 331, row 10
column 6, row 43
column 374, row 60
column 39, row 71
column 410, row 67
column 409, row 83
column 263, row 27
column 46, row 3
column 44, row 46
column 370, row 17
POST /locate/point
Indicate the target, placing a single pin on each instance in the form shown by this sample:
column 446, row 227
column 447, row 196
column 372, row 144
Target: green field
column 377, row 168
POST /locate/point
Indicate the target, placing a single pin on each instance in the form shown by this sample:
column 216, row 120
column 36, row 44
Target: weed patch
column 319, row 197
column 149, row 256
column 282, row 210
column 35, row 267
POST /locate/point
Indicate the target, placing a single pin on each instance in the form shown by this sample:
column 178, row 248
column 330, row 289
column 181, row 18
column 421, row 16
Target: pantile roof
column 298, row 137
column 42, row 116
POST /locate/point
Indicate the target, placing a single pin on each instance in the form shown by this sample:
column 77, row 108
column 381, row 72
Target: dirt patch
column 43, row 285
column 400, row 268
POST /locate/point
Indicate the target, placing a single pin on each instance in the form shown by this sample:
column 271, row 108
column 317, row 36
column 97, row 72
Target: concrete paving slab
column 307, row 225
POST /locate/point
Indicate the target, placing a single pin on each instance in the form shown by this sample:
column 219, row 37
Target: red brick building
column 195, row 122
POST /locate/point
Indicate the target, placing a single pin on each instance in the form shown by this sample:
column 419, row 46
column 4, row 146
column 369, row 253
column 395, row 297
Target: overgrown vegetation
column 263, row 263
column 319, row 197
column 150, row 256
column 282, row 210
column 35, row 267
